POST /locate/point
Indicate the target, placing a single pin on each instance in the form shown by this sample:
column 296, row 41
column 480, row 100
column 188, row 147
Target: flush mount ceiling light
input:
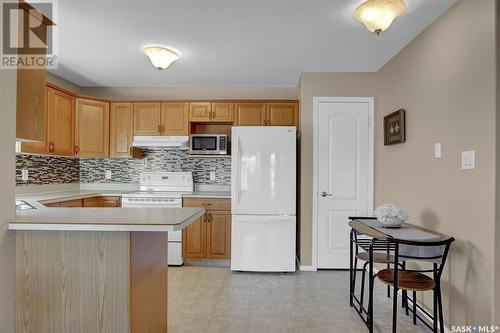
column 377, row 15
column 161, row 57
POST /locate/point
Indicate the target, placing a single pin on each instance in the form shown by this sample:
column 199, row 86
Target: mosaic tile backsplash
column 47, row 169
column 53, row 170
column 92, row 170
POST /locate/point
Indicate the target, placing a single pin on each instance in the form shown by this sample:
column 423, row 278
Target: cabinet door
column 174, row 118
column 41, row 147
column 30, row 114
column 121, row 129
column 92, row 202
column 92, row 128
column 110, row 202
column 222, row 112
column 282, row 114
column 219, row 235
column 72, row 203
column 61, row 118
column 147, row 119
column 250, row 114
column 194, row 240
column 200, row 111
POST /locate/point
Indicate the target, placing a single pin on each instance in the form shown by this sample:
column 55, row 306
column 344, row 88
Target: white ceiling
column 225, row 42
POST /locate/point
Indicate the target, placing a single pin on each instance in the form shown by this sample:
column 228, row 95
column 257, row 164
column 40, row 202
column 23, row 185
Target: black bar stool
column 414, row 280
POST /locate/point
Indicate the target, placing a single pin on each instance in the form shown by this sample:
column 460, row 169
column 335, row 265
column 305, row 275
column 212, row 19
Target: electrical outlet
column 212, row 175
column 24, row 175
column 108, row 174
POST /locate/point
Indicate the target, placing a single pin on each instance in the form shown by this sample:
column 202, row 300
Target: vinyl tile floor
column 214, row 299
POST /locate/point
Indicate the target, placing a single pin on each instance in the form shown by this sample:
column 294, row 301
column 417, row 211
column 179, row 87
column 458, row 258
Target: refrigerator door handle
column 236, row 166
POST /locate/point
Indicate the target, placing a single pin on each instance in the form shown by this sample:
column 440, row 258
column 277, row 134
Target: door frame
column 371, row 147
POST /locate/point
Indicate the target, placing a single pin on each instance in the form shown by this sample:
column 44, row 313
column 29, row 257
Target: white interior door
column 343, row 176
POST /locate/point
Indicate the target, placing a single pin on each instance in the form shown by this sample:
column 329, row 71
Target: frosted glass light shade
column 161, row 57
column 378, row 15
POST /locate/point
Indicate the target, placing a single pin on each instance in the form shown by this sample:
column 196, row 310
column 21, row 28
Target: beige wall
column 192, row 92
column 7, row 210
column 445, row 79
column 497, row 192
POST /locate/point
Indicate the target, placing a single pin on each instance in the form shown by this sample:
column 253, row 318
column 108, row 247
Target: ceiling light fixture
column 161, row 57
column 377, row 15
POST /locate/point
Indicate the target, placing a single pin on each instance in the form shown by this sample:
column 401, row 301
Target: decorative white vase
column 390, row 222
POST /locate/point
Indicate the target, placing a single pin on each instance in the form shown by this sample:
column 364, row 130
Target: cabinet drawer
column 110, row 202
column 72, row 203
column 208, row 203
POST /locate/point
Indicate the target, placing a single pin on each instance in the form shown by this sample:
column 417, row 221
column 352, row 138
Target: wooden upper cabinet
column 282, row 114
column 194, row 239
column 121, row 129
column 147, row 119
column 30, row 91
column 61, row 118
column 218, row 234
column 250, row 114
column 39, row 147
column 222, row 112
column 174, row 118
column 200, row 111
column 92, row 128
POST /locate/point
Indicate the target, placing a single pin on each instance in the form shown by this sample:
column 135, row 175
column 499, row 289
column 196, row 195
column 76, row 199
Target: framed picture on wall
column 394, row 128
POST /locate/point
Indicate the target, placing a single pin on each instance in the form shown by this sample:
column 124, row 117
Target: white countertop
column 103, row 219
column 106, row 219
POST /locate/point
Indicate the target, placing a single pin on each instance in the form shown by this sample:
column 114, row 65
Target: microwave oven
column 208, row 144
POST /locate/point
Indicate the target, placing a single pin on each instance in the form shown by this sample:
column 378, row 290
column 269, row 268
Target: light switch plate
column 468, row 160
column 108, row 174
column 24, row 175
column 212, row 175
column 437, row 150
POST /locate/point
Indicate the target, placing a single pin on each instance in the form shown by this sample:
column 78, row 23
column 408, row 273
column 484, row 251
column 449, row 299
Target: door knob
column 324, row 194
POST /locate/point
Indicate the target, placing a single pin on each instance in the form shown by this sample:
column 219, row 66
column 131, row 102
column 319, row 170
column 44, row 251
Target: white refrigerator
column 263, row 201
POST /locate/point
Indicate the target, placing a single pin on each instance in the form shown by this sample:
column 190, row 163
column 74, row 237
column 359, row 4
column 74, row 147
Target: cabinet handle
column 51, row 147
column 209, row 217
column 131, row 151
column 159, row 128
column 163, row 128
column 76, row 150
column 206, row 204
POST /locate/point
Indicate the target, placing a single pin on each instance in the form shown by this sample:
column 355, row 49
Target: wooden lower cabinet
column 218, row 235
column 92, row 202
column 88, row 202
column 194, row 239
column 110, row 202
column 72, row 203
column 210, row 236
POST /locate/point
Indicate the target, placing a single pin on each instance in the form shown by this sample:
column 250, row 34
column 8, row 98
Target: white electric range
column 163, row 189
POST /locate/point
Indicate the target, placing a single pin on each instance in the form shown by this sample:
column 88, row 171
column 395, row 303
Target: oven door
column 204, row 144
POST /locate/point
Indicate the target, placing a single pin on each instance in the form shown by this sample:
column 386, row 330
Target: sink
column 23, row 205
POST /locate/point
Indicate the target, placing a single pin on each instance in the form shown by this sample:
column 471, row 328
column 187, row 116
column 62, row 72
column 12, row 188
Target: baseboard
column 307, row 268
column 303, row 267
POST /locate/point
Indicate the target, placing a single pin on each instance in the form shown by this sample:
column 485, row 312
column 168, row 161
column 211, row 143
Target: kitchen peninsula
column 94, row 269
